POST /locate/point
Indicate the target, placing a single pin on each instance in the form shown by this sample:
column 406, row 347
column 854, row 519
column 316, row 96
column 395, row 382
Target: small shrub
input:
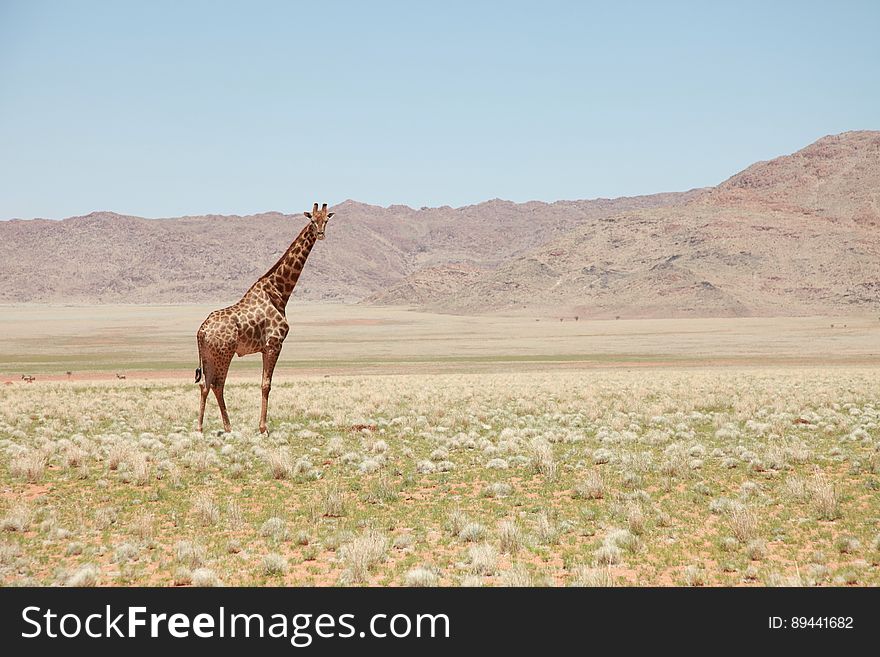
column 205, row 509
column 756, row 549
column 333, row 501
column 274, row 528
column 85, row 576
column 420, row 577
column 635, row 519
column 510, row 537
column 541, row 457
column 743, row 522
column 456, row 521
column 29, row 466
column 483, row 559
column 274, row 564
column 608, row 555
column 205, row 577
column 847, row 544
column 547, row 532
column 125, row 552
column 18, row 519
column 693, row 576
column 498, row 489
column 824, row 498
column 591, row 577
column 189, row 554
column 363, row 553
column 624, row 539
column 517, row 576
column 279, row 462
column 795, row 489
column 472, row 532
column 591, row 487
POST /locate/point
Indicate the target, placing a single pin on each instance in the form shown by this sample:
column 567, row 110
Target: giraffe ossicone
column 257, row 323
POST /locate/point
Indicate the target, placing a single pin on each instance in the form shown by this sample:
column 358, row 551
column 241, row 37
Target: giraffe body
column 256, row 324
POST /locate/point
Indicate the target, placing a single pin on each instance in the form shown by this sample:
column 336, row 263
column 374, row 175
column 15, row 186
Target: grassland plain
column 645, row 477
column 491, row 469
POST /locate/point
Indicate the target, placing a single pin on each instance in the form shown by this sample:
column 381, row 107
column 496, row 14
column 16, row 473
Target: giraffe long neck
column 285, row 273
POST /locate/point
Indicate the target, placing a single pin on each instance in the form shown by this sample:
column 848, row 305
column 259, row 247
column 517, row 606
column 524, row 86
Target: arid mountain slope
column 109, row 258
column 693, row 261
column 837, row 176
column 794, row 236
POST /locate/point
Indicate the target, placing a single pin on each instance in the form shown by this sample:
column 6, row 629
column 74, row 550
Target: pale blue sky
column 166, row 108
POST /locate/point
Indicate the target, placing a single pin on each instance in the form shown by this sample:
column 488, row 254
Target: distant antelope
column 28, row 378
column 120, row 376
column 69, row 374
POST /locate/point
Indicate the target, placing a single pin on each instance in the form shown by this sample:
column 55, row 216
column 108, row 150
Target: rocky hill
column 105, row 257
column 796, row 235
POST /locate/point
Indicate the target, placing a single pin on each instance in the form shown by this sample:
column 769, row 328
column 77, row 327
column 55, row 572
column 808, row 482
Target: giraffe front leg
column 270, row 357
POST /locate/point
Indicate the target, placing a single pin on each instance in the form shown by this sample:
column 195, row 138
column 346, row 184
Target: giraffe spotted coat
column 257, row 323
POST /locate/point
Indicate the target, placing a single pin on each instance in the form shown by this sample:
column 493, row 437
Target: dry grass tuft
column 363, row 553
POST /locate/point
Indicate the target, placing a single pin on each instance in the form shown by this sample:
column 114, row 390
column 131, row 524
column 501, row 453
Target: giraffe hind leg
column 221, row 402
column 216, row 348
column 203, row 397
column 217, row 381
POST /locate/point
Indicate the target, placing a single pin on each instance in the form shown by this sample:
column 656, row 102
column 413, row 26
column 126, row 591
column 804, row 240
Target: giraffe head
column 319, row 219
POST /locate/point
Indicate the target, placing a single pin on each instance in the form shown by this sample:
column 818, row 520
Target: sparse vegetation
column 512, row 479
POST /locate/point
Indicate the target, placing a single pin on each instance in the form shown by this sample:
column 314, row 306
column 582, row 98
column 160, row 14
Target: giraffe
column 256, row 323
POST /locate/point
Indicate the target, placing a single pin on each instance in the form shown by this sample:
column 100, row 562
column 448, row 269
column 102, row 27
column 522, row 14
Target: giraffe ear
column 330, row 214
column 308, row 214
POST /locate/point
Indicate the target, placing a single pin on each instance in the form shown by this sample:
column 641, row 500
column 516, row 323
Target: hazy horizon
column 333, row 204
column 170, row 109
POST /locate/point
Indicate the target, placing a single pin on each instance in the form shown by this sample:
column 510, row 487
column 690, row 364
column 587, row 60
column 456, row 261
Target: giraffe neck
column 285, row 273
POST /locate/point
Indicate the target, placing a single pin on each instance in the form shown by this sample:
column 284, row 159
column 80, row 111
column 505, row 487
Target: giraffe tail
column 205, row 370
column 201, row 360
